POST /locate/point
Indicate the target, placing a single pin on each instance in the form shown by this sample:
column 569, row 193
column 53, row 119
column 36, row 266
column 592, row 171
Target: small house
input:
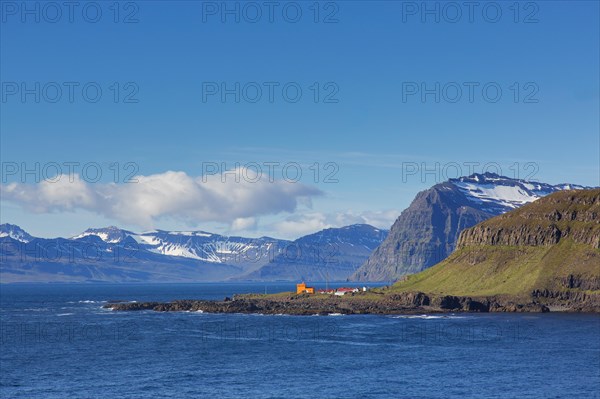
column 326, row 291
column 344, row 290
column 303, row 289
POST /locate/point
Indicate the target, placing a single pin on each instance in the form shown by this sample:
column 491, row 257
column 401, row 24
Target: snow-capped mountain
column 14, row 232
column 113, row 254
column 198, row 245
column 246, row 252
column 111, row 234
column 498, row 193
column 89, row 258
column 426, row 232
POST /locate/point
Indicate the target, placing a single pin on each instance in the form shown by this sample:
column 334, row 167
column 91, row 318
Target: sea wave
column 427, row 317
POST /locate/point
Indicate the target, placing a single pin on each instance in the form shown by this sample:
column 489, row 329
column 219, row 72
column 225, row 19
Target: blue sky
column 364, row 128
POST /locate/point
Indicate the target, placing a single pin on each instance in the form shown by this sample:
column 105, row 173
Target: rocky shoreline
column 359, row 303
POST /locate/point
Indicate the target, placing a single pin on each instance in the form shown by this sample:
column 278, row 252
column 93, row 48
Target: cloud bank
column 170, row 194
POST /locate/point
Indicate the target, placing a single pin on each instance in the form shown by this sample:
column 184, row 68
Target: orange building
column 303, row 289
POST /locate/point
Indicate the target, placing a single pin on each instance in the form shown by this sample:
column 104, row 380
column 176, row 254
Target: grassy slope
column 494, row 270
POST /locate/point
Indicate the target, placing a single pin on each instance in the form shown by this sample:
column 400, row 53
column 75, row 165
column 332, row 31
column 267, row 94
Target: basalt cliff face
column 570, row 215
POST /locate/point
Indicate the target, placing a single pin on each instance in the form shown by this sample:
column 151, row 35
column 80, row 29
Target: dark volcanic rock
column 448, row 302
column 573, row 300
column 395, row 303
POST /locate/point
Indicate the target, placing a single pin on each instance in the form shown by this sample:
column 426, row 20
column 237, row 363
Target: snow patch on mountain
column 198, row 245
column 14, row 232
column 507, row 196
column 110, row 235
column 501, row 192
column 103, row 236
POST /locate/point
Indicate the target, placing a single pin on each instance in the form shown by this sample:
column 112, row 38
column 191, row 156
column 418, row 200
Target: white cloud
column 166, row 195
column 379, row 219
column 244, row 224
column 61, row 195
column 298, row 225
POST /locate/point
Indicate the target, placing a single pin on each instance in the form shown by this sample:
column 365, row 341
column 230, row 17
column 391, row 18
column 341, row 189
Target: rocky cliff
column 566, row 215
column 423, row 235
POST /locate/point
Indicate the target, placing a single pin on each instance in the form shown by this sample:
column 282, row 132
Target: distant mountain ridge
column 198, row 245
column 329, row 255
column 91, row 259
column 113, row 254
column 110, row 234
column 14, row 232
column 427, row 231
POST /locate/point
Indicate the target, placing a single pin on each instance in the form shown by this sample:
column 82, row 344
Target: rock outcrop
column 569, row 214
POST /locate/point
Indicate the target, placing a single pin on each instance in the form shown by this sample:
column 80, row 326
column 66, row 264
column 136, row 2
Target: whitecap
column 427, row 317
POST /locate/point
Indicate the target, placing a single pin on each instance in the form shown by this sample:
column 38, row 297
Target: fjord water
column 58, row 342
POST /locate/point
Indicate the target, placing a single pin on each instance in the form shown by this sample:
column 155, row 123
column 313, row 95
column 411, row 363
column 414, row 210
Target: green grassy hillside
column 496, row 270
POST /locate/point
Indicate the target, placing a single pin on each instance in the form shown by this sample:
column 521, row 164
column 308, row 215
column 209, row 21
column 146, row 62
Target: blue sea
column 57, row 342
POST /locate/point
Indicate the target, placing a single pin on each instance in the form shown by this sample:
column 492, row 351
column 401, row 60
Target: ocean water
column 57, row 342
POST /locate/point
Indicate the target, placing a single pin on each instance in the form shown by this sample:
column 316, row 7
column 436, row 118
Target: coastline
column 359, row 303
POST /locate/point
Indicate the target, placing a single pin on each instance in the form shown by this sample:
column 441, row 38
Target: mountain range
column 423, row 235
column 116, row 255
column 245, row 253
